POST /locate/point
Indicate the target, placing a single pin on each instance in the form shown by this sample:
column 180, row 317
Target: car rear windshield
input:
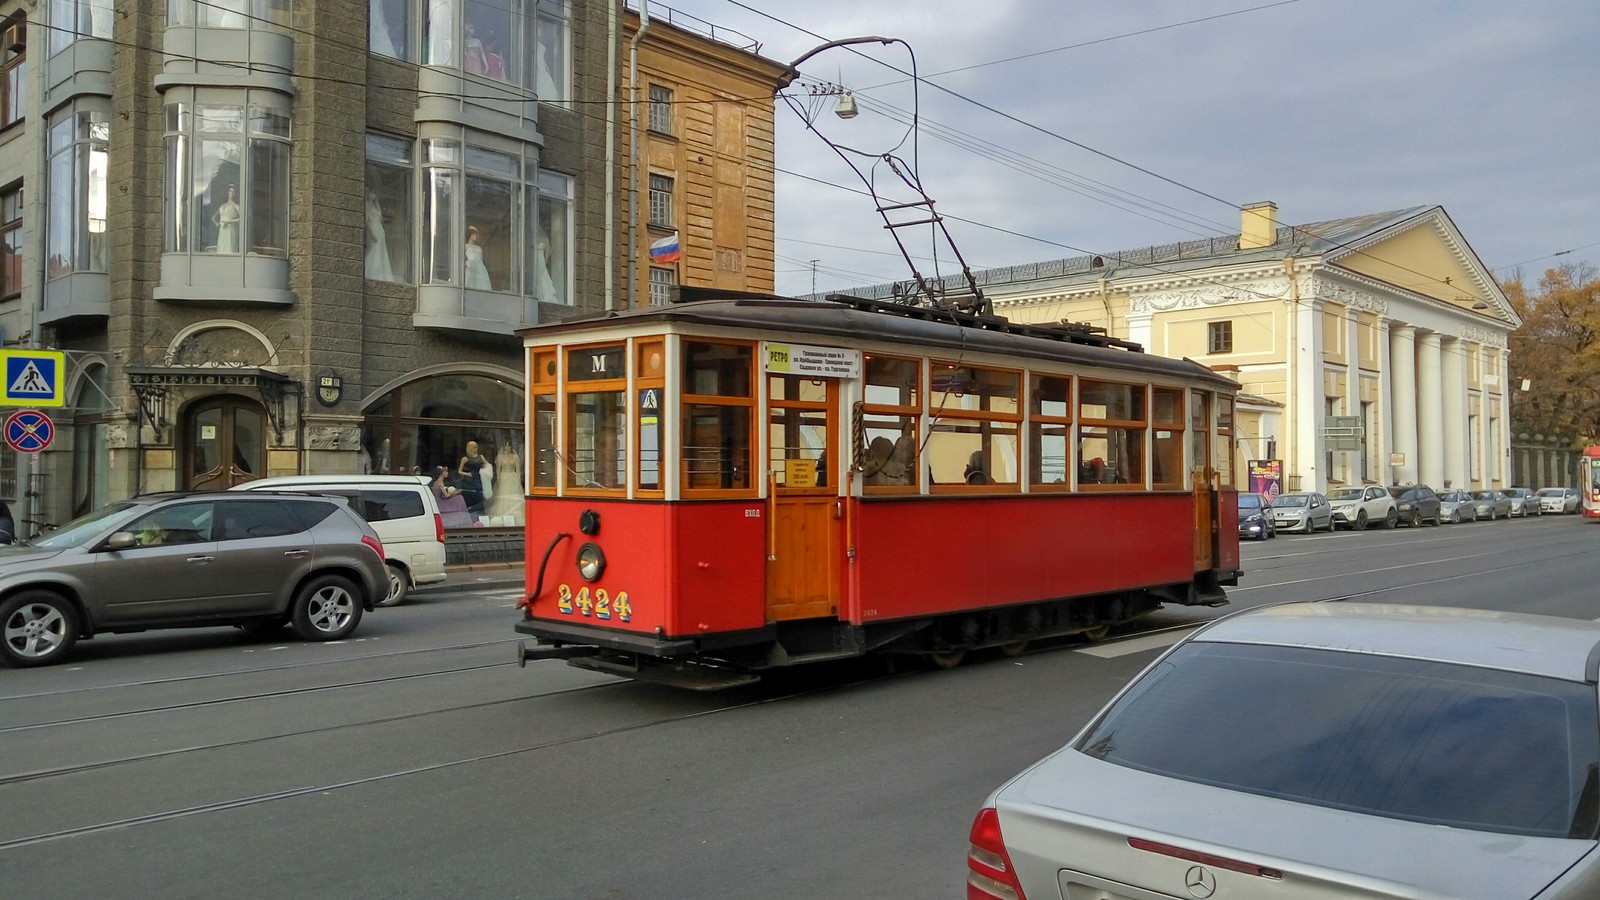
column 1406, row 739
column 1249, row 501
column 1345, row 494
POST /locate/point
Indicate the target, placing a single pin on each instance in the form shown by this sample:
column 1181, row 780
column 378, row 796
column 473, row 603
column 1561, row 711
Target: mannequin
column 477, row 61
column 226, row 218
column 440, row 28
column 378, row 266
column 477, row 272
column 471, row 481
column 548, row 291
column 507, row 503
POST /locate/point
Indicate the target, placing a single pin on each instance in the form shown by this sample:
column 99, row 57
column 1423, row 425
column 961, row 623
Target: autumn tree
column 1557, row 350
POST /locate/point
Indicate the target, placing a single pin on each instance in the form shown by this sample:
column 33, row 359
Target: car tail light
column 438, row 527
column 990, row 874
column 375, row 544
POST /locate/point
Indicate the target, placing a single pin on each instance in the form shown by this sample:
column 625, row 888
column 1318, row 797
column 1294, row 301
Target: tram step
column 692, row 676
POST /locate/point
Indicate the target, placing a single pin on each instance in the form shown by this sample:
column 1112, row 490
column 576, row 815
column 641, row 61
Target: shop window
column 1111, row 433
column 1166, row 442
column 973, row 415
column 228, row 173
column 1219, row 337
column 75, row 236
column 1049, row 431
column 660, row 109
column 891, row 424
column 388, row 209
column 661, row 201
column 718, row 409
column 475, row 233
column 552, row 261
column 13, row 70
column 464, row 428
column 11, row 238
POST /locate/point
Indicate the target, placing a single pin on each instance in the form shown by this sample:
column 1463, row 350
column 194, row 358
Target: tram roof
column 854, row 317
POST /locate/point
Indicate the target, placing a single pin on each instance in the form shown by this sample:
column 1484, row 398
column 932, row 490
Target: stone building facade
column 299, row 236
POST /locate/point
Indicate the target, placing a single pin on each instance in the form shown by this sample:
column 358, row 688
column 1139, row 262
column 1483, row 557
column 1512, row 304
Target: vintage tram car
column 735, row 482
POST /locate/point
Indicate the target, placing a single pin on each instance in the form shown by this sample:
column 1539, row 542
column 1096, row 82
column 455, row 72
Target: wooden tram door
column 1205, row 519
column 805, row 498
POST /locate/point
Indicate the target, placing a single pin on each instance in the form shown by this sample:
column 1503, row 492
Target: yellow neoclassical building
column 1370, row 349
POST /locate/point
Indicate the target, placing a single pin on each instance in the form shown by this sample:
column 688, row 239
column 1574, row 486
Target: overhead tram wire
column 1097, row 152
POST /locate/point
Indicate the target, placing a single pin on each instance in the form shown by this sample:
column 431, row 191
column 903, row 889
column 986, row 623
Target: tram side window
column 718, row 416
column 892, row 403
column 546, row 443
column 797, row 431
column 1223, row 454
column 1049, row 431
column 975, row 414
column 1166, row 445
column 1111, row 433
column 1199, row 434
column 597, row 418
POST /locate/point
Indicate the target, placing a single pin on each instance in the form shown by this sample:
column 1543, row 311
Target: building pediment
column 1425, row 254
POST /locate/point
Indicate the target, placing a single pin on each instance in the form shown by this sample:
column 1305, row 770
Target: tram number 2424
column 600, row 604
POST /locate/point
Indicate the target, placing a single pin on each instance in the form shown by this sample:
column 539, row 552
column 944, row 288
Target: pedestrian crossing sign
column 33, row 377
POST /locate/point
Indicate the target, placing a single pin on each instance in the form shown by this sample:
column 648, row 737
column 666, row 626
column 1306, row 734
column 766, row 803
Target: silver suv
column 183, row 560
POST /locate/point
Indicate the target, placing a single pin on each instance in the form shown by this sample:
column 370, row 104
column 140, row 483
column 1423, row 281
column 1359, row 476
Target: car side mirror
column 121, row 540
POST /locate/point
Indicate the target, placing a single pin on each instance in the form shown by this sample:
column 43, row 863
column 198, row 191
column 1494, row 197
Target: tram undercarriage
column 722, row 661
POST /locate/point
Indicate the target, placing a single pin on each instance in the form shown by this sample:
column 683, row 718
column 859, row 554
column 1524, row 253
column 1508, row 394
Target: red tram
column 738, row 482
column 1589, row 481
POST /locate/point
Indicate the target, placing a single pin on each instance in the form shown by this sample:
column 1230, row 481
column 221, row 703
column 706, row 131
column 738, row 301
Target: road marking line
column 1138, row 644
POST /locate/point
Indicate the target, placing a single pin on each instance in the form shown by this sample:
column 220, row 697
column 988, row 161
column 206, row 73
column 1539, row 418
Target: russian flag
column 665, row 250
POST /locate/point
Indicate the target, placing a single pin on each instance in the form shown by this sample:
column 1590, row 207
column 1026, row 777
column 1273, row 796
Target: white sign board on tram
column 816, row 362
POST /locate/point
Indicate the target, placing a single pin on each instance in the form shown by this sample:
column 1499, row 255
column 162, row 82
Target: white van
column 401, row 509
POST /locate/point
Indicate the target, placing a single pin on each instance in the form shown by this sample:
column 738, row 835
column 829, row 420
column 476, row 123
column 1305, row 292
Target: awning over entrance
column 154, row 386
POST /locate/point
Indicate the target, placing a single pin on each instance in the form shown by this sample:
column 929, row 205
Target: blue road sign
column 29, row 431
column 32, row 377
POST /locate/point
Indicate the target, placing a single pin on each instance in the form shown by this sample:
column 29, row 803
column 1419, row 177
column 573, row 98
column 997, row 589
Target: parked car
column 401, row 508
column 1564, row 501
column 1305, row 511
column 1523, row 501
column 1255, row 517
column 1359, row 507
column 1316, row 750
column 1416, row 503
column 179, row 560
column 1492, row 504
column 1458, row 506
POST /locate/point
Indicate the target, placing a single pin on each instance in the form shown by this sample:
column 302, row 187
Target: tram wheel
column 1014, row 650
column 947, row 660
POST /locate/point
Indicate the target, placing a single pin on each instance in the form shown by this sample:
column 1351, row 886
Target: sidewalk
column 482, row 573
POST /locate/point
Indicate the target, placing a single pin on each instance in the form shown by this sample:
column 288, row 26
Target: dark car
column 1255, row 517
column 1416, row 503
column 183, row 560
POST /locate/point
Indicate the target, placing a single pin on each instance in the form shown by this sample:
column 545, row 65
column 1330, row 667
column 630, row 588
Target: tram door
column 1205, row 481
column 802, row 471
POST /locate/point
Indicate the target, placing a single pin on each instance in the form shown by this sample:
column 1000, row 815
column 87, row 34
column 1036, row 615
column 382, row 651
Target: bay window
column 231, row 14
column 388, row 209
column 228, row 173
column 553, row 53
column 75, row 232
column 552, row 228
column 389, row 27
column 74, row 19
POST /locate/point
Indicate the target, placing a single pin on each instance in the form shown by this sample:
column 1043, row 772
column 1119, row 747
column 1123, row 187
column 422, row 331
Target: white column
column 1352, row 394
column 1454, row 360
column 1430, row 412
column 1303, row 459
column 1403, row 397
column 1383, row 442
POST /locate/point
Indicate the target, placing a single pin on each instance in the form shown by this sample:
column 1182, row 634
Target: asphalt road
column 417, row 761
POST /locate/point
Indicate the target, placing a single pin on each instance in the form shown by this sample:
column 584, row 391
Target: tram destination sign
column 817, row 362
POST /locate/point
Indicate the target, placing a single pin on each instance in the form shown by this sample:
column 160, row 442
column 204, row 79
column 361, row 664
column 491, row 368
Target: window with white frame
column 661, row 201
column 662, row 280
column 14, row 71
column 660, row 109
column 233, row 14
column 227, row 172
column 11, row 235
column 388, row 208
column 74, row 19
column 75, row 231
column 552, row 227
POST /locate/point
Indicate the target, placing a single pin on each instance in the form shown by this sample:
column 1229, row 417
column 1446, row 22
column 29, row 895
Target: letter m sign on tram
column 32, row 377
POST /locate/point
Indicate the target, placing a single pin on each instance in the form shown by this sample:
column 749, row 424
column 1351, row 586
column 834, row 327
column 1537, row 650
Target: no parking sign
column 29, row 431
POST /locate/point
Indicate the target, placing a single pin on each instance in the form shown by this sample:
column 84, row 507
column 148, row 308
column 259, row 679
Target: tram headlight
column 591, row 561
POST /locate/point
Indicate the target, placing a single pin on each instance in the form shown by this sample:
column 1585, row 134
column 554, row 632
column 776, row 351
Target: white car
column 1360, row 507
column 1564, row 501
column 402, row 509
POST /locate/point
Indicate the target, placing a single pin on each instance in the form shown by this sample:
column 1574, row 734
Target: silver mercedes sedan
column 1321, row 750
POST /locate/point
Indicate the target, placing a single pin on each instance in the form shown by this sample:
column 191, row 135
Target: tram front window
column 716, row 448
column 598, row 454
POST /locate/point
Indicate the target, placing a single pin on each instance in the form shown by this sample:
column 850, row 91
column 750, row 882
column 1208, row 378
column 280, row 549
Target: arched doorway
column 224, row 443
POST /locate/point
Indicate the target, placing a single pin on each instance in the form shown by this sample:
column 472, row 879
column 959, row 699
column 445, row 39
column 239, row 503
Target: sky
column 1053, row 128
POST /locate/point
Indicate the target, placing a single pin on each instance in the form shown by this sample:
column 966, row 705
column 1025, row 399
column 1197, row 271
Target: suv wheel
column 327, row 608
column 399, row 586
column 39, row 627
column 1361, row 520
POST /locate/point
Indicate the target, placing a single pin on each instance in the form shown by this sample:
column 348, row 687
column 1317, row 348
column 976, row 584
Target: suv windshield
column 1345, row 494
column 81, row 530
column 1371, row 734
